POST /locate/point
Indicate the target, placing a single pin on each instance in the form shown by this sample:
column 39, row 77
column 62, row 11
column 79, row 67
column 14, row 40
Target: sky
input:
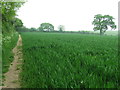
column 75, row 15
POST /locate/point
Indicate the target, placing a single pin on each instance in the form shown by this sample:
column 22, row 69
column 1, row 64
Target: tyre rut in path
column 12, row 76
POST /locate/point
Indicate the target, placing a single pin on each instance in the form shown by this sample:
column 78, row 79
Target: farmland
column 64, row 60
column 113, row 33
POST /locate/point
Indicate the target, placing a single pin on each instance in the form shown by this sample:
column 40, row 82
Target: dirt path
column 12, row 76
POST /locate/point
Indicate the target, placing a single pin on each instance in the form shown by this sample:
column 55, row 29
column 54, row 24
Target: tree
column 33, row 29
column 8, row 13
column 40, row 29
column 24, row 29
column 102, row 22
column 61, row 28
column 46, row 27
column 18, row 24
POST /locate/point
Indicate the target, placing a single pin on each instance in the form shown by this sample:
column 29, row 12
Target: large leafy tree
column 46, row 27
column 18, row 24
column 103, row 22
column 8, row 15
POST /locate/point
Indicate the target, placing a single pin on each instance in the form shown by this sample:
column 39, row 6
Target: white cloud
column 73, row 14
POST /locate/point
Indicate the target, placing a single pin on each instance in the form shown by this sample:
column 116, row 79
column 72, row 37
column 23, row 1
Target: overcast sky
column 73, row 14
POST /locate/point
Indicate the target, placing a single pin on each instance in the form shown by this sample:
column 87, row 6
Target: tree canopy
column 9, row 16
column 103, row 22
column 46, row 27
column 17, row 23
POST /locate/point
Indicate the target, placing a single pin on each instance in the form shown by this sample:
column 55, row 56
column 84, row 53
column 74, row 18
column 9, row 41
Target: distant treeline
column 11, row 24
column 24, row 29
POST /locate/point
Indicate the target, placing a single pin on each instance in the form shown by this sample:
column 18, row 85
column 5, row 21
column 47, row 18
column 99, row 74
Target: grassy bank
column 8, row 43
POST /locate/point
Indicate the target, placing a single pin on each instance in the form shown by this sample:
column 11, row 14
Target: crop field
column 113, row 33
column 64, row 60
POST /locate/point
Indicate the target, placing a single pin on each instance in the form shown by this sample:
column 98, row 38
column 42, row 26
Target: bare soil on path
column 12, row 76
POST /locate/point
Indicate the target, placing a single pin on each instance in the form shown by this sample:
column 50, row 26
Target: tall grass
column 8, row 43
column 54, row 60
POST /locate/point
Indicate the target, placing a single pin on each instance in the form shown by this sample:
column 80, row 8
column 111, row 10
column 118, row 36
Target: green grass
column 109, row 32
column 8, row 44
column 0, row 69
column 112, row 32
column 61, row 60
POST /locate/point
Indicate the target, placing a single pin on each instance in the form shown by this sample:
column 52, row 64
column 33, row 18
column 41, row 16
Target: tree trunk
column 101, row 33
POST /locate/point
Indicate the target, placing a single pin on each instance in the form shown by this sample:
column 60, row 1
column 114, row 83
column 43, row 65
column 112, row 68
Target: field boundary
column 12, row 76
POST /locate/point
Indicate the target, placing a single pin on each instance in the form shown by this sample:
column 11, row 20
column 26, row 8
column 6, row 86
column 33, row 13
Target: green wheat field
column 65, row 60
